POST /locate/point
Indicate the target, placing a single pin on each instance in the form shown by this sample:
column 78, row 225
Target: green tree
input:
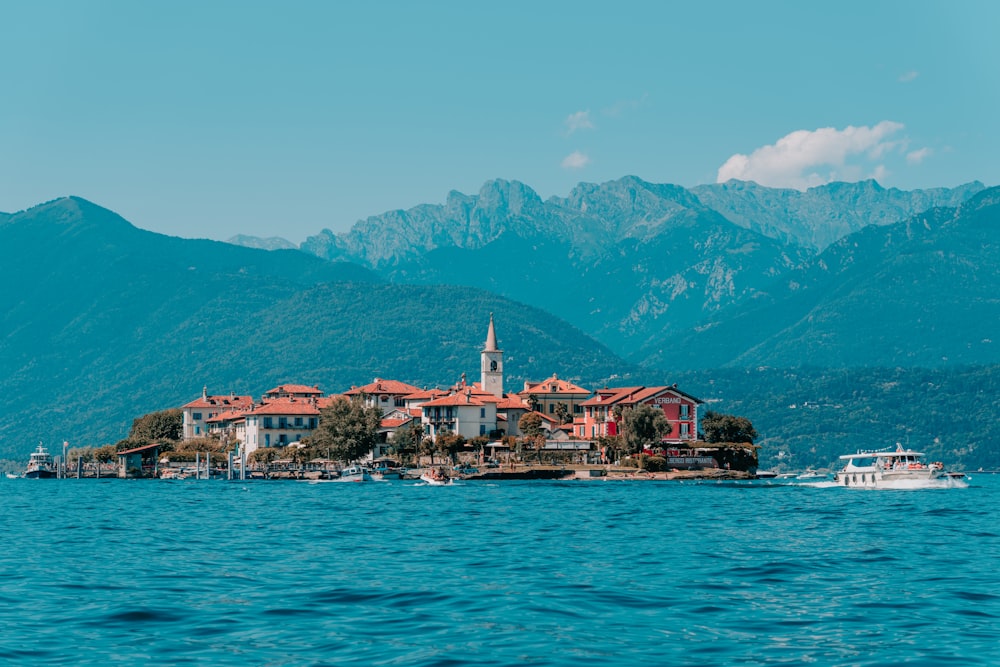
column 106, row 454
column 156, row 426
column 407, row 439
column 348, row 428
column 447, row 444
column 727, row 428
column 530, row 424
column 642, row 427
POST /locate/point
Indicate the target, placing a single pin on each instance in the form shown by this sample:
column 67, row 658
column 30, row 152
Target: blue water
column 572, row 573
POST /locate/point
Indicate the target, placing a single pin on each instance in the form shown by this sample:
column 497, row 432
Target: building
column 545, row 396
column 386, row 395
column 491, row 363
column 292, row 391
column 199, row 411
column 462, row 413
column 282, row 421
column 602, row 413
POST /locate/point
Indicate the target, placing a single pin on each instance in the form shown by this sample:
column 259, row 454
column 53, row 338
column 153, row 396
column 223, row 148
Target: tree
column 447, row 444
column 727, row 428
column 642, row 427
column 106, row 454
column 532, row 402
column 162, row 425
column 407, row 438
column 530, row 424
column 562, row 412
column 348, row 428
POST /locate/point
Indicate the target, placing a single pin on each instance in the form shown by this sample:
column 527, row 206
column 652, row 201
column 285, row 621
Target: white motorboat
column 898, row 469
column 40, row 465
column 437, row 477
column 354, row 473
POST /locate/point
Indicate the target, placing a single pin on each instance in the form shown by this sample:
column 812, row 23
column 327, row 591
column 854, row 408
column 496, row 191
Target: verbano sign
column 663, row 400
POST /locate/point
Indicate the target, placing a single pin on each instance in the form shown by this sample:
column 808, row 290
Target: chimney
column 204, row 393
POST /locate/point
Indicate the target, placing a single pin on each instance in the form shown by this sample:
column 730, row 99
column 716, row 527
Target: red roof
column 288, row 406
column 456, row 399
column 227, row 416
column 137, row 450
column 380, row 386
column 226, row 401
column 553, row 385
column 395, row 423
column 426, row 394
column 627, row 396
column 295, row 389
column 512, row 403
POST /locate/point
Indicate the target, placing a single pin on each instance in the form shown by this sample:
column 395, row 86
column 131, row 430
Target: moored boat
column 354, row 473
column 898, row 469
column 40, row 464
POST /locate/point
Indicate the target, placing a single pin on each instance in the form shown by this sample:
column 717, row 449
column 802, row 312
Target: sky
column 210, row 119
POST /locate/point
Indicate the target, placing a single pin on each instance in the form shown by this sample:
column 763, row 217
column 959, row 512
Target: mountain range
column 625, row 282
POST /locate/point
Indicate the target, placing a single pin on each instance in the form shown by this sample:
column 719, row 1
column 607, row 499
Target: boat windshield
column 862, row 461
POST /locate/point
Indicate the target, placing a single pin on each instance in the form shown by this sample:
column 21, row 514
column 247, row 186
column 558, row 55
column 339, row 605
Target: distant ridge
column 102, row 322
column 270, row 243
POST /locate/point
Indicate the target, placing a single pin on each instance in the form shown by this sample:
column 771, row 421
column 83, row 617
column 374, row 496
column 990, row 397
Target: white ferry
column 40, row 465
column 899, row 469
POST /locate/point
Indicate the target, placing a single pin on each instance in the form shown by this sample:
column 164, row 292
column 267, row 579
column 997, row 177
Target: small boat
column 13, row 475
column 40, row 465
column 385, row 470
column 812, row 476
column 437, row 477
column 899, row 469
column 354, row 473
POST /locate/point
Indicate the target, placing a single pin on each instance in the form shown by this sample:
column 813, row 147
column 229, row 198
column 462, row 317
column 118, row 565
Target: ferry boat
column 40, row 465
column 899, row 469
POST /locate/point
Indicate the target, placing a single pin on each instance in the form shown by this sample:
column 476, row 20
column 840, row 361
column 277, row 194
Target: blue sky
column 208, row 119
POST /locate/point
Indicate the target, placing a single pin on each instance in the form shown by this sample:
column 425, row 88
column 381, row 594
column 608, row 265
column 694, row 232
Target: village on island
column 550, row 429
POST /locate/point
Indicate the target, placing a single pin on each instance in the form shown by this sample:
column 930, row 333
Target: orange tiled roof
column 380, row 386
column 287, row 406
column 512, row 403
column 394, row 423
column 227, row 416
column 553, row 385
column 296, row 389
column 224, row 401
column 626, row 396
column 456, row 399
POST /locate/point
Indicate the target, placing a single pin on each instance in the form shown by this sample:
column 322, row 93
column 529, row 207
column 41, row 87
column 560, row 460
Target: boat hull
column 40, row 474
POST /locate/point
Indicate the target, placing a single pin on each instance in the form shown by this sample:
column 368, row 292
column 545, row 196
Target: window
column 482, row 429
column 282, row 422
column 552, row 408
column 482, row 414
column 577, row 409
column 267, row 439
column 267, row 422
column 685, row 429
column 312, row 422
column 298, row 421
column 196, row 416
column 684, row 411
column 197, row 430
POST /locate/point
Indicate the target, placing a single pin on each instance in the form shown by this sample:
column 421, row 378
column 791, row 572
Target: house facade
column 601, row 413
column 281, row 421
column 198, row 412
column 545, row 396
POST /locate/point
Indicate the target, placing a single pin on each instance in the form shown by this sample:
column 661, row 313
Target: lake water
column 551, row 573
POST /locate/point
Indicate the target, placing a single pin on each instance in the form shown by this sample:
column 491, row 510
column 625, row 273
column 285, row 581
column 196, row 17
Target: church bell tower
column 491, row 363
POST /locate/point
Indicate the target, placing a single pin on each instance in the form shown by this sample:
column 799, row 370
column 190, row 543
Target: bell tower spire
column 491, row 363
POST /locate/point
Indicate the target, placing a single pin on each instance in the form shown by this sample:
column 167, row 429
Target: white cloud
column 906, row 77
column 807, row 158
column 579, row 121
column 917, row 156
column 575, row 160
